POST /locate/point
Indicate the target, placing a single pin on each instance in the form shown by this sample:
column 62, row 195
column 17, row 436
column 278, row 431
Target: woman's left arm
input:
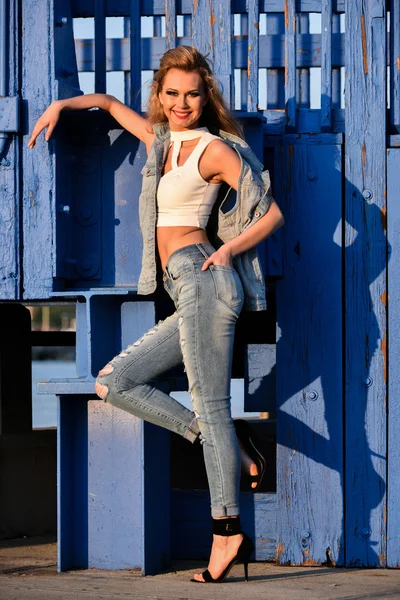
column 273, row 219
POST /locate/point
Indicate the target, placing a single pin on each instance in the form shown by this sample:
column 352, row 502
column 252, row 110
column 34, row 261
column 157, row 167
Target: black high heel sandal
column 230, row 526
column 244, row 435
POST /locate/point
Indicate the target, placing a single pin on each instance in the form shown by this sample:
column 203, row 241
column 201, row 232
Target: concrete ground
column 28, row 570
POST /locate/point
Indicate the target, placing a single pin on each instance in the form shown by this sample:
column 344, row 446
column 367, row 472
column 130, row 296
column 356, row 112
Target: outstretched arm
column 128, row 118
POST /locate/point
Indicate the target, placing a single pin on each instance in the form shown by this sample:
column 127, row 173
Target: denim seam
column 146, row 408
column 202, row 395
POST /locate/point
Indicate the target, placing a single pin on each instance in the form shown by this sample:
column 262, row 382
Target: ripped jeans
column 201, row 333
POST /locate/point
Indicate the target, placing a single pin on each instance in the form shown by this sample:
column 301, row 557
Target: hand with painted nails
column 48, row 119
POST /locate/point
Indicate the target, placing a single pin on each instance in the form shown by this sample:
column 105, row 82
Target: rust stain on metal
column 286, row 15
column 256, row 25
column 364, row 44
column 382, row 559
column 195, row 5
column 213, row 20
column 398, row 63
column 248, row 67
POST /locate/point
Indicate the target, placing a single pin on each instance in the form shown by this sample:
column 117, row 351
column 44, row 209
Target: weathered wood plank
column 309, row 355
column 365, row 284
column 326, row 66
column 100, row 47
column 212, row 36
column 9, row 168
column 393, row 452
column 290, row 64
column 170, row 23
column 120, row 8
column 252, row 59
column 303, row 74
column 135, row 49
column 38, row 185
column 271, row 55
column 394, row 55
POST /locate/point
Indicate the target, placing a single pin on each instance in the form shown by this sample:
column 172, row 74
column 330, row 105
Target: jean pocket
column 177, row 271
column 228, row 286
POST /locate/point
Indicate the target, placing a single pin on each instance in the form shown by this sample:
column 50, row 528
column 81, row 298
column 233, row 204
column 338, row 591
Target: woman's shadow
column 330, row 364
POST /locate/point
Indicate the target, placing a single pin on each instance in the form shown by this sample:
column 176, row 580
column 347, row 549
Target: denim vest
column 233, row 213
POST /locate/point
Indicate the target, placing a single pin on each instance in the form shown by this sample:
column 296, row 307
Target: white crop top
column 183, row 196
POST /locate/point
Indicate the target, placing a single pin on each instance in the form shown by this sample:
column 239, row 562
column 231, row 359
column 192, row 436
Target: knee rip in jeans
column 181, row 342
column 101, row 390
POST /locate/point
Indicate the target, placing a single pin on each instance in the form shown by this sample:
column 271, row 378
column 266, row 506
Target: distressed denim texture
column 200, row 332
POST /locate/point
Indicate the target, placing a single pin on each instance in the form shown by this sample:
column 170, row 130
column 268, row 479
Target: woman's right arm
column 128, row 118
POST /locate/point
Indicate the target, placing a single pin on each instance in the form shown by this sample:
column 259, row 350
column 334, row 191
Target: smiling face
column 182, row 97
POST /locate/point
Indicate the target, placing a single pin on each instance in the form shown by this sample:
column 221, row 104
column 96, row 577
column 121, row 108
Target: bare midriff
column 170, row 239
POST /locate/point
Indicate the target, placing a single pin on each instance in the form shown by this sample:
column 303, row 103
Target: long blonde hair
column 216, row 115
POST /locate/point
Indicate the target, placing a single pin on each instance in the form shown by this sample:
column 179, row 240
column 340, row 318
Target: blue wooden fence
column 69, row 228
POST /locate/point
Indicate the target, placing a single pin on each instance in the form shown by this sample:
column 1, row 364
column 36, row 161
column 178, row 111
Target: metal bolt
column 312, row 175
column 306, row 534
column 86, row 213
column 65, row 208
column 367, row 194
column 60, row 21
column 312, row 395
column 368, row 382
column 86, row 264
column 365, row 532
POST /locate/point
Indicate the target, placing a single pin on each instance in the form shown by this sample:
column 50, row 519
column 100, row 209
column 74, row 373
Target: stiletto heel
column 230, row 526
column 244, row 434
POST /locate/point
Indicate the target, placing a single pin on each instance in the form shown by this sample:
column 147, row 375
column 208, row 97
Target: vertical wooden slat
column 365, row 283
column 170, row 24
column 326, row 65
column 290, row 64
column 99, row 47
column 336, row 72
column 393, row 511
column 309, row 386
column 9, row 182
column 212, row 32
column 395, row 63
column 303, row 74
column 127, row 74
column 38, row 182
column 157, row 26
column 135, row 53
column 187, row 25
column 252, row 56
column 275, row 77
column 244, row 82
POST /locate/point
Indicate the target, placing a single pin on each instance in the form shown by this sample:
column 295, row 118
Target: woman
column 187, row 164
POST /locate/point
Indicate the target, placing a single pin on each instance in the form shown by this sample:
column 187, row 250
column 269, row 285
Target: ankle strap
column 228, row 526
